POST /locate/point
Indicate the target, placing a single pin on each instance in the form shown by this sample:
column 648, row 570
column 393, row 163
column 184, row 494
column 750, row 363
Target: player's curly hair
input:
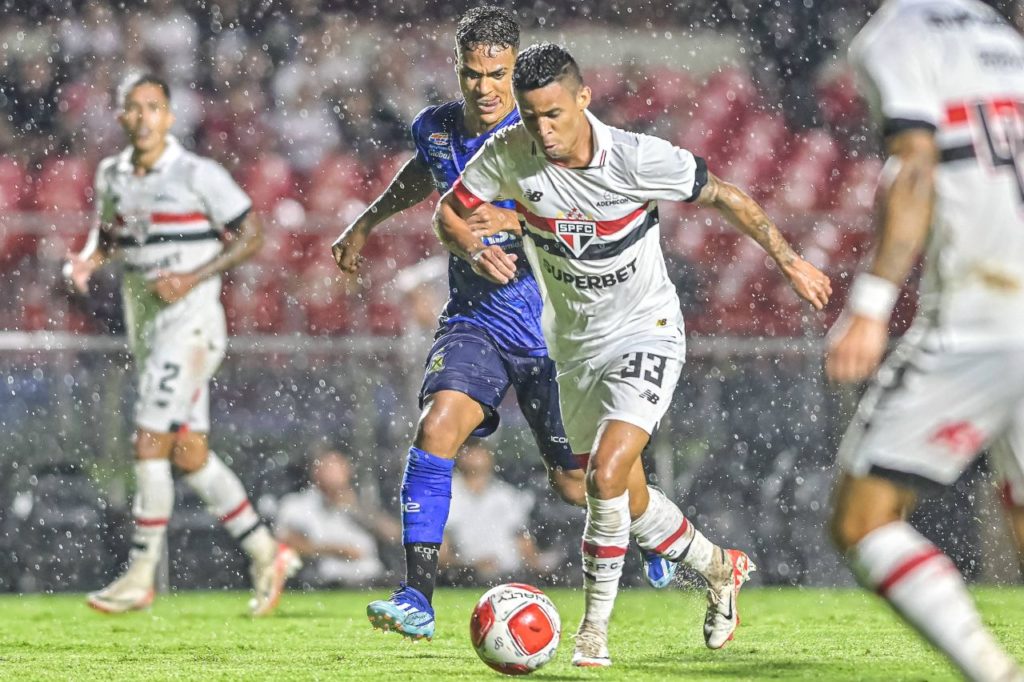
column 539, row 65
column 486, row 25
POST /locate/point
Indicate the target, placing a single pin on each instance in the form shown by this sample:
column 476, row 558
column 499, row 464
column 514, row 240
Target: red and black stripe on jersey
column 961, row 117
column 543, row 235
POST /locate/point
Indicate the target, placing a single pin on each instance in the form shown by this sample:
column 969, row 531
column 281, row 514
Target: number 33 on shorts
column 634, row 386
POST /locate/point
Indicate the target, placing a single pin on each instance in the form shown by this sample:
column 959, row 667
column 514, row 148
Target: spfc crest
column 575, row 232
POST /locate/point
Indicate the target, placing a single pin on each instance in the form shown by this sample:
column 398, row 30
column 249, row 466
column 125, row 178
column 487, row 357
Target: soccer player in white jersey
column 947, row 79
column 587, row 195
column 178, row 221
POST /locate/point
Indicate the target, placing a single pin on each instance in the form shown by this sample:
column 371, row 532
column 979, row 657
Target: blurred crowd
column 307, row 103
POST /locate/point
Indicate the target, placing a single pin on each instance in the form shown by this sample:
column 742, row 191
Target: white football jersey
column 168, row 220
column 956, row 67
column 594, row 239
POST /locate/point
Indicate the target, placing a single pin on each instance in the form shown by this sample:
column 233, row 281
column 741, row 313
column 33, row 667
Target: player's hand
column 172, row 287
column 493, row 264
column 855, row 348
column 346, row 248
column 77, row 271
column 488, row 219
column 810, row 283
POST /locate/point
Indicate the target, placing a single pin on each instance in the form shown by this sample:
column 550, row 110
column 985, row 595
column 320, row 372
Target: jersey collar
column 602, row 140
column 171, row 153
column 463, row 134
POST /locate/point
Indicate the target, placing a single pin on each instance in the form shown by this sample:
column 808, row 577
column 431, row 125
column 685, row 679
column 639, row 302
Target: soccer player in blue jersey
column 489, row 338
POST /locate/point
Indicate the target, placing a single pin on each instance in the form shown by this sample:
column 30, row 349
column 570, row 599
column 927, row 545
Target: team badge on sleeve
column 436, row 363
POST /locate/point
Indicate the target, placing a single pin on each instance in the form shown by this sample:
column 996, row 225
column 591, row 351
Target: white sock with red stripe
column 226, row 499
column 664, row 530
column 154, row 500
column 605, row 541
column 923, row 586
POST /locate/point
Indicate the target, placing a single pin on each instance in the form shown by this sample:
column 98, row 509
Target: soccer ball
column 515, row 628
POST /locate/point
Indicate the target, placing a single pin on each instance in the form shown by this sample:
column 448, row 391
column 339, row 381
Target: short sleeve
column 482, row 178
column 896, row 67
column 224, row 200
column 665, row 171
column 415, row 131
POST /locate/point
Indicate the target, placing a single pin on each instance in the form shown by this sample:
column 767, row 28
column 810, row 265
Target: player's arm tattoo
column 242, row 244
column 411, row 185
column 906, row 208
column 748, row 216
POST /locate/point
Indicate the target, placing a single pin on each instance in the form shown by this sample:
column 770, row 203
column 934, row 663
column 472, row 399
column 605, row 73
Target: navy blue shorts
column 465, row 359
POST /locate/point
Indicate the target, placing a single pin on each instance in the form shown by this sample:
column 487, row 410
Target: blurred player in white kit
column 947, row 79
column 178, row 221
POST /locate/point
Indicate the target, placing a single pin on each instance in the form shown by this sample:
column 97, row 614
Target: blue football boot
column 406, row 612
column 659, row 571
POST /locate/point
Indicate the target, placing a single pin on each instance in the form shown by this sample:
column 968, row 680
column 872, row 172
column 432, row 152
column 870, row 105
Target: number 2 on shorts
column 172, row 371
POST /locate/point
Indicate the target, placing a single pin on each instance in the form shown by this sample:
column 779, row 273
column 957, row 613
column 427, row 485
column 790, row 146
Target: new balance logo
column 533, row 194
column 650, row 396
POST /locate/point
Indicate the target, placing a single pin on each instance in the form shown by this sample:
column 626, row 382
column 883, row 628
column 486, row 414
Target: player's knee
column 849, row 526
column 190, row 453
column 153, row 445
column 606, row 482
column 436, row 434
column 569, row 485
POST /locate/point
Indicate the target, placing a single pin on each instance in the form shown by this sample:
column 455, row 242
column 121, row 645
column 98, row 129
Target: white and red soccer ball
column 515, row 628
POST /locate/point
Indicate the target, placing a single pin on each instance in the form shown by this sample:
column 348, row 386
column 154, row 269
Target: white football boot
column 723, row 616
column 591, row 650
column 269, row 578
column 133, row 591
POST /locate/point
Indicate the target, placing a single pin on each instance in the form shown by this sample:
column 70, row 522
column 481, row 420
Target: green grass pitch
column 820, row 635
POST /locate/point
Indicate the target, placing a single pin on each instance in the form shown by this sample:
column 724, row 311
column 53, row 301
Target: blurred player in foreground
column 490, row 335
column 178, row 221
column 947, row 78
column 588, row 194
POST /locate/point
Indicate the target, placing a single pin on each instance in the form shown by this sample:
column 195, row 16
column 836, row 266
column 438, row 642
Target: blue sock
column 426, row 498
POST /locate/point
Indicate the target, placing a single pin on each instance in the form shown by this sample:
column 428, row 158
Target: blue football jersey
column 509, row 313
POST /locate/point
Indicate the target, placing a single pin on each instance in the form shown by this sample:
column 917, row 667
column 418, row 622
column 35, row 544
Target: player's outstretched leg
column 426, row 499
column 271, row 563
column 663, row 530
column 920, row 582
column 154, row 500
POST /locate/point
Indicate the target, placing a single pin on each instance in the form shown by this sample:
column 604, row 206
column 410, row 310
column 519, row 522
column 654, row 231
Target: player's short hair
column 493, row 26
column 543, row 64
column 135, row 80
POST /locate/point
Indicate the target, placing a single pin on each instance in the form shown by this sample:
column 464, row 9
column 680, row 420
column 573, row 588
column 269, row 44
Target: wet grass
column 786, row 635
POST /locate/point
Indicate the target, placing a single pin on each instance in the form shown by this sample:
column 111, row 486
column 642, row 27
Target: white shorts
column 633, row 383
column 175, row 373
column 930, row 413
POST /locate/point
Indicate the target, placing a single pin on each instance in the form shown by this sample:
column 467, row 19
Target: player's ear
column 583, row 96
